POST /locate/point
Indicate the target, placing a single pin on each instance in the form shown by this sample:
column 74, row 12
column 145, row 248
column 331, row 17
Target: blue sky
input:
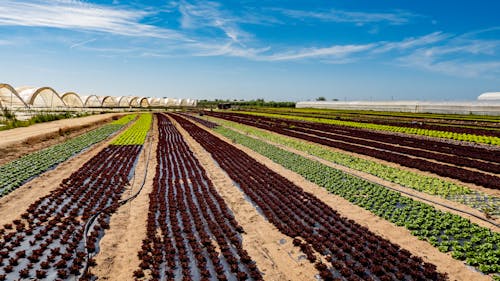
column 276, row 50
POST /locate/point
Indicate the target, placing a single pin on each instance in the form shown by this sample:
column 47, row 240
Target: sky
column 275, row 50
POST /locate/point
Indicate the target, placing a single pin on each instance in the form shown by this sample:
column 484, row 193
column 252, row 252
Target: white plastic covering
column 91, row 101
column 134, row 102
column 72, row 99
column 154, row 102
column 471, row 107
column 44, row 97
column 143, row 102
column 9, row 97
column 108, row 101
column 489, row 96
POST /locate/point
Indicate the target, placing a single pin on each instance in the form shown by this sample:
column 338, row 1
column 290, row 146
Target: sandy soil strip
column 118, row 259
column 16, row 202
column 273, row 251
column 18, row 135
column 395, row 186
column 456, row 270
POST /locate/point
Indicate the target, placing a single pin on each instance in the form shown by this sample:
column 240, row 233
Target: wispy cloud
column 207, row 14
column 81, row 43
column 360, row 18
column 458, row 56
column 412, row 42
column 78, row 15
column 336, row 51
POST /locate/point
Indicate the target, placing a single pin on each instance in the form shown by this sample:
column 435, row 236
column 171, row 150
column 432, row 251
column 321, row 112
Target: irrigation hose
column 397, row 190
column 91, row 220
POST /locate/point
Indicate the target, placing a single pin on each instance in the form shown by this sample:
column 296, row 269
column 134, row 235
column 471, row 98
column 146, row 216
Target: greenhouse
column 72, row 99
column 108, row 101
column 9, row 97
column 91, row 101
column 44, row 97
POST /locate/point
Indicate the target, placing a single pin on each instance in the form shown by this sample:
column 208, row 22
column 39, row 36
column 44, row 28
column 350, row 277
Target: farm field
column 275, row 194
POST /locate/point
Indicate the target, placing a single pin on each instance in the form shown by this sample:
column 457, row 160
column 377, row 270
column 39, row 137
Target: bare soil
column 273, row 252
column 118, row 259
column 455, row 269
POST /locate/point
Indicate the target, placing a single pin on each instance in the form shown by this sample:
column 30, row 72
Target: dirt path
column 118, row 259
column 19, row 135
column 398, row 187
column 273, row 251
column 16, row 202
column 33, row 144
column 456, row 270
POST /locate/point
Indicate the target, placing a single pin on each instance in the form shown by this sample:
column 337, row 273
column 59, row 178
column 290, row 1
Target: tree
column 321, row 99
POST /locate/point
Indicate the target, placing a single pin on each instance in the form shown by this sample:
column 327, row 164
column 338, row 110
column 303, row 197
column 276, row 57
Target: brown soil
column 16, row 202
column 398, row 187
column 118, row 259
column 18, row 142
column 456, row 270
column 273, row 251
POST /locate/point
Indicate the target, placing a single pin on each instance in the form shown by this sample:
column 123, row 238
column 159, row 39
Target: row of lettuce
column 426, row 184
column 492, row 140
column 478, row 246
column 19, row 171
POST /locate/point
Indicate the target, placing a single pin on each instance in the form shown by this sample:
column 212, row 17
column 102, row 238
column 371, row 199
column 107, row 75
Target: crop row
column 358, row 145
column 429, row 123
column 47, row 241
column 136, row 134
column 17, row 172
column 478, row 246
column 351, row 251
column 191, row 233
column 399, row 129
column 426, row 184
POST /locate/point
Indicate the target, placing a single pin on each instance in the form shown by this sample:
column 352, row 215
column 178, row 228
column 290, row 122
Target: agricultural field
column 264, row 194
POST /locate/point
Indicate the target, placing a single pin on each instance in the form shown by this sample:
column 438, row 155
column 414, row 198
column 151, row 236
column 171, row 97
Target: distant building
column 224, row 106
column 489, row 96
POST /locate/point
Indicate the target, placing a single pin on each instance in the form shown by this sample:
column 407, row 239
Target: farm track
column 350, row 249
column 351, row 144
column 19, row 135
column 191, row 233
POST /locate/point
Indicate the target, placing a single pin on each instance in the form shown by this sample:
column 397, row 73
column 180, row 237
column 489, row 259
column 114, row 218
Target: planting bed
column 17, row 172
column 467, row 241
column 191, row 233
column 48, row 241
column 405, row 151
column 489, row 204
column 340, row 248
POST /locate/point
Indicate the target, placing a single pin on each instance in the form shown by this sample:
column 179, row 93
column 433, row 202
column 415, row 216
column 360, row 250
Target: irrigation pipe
column 388, row 187
column 91, row 220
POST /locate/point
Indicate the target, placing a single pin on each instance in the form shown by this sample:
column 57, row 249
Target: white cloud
column 458, row 57
column 359, row 18
column 206, row 14
column 412, row 42
column 78, row 15
column 336, row 51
